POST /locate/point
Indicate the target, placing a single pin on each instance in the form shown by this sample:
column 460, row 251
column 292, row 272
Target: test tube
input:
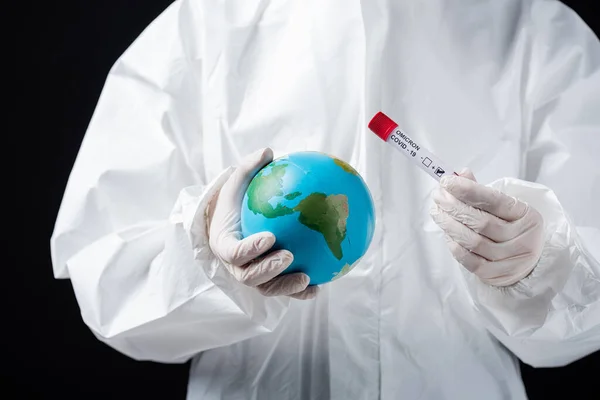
column 388, row 130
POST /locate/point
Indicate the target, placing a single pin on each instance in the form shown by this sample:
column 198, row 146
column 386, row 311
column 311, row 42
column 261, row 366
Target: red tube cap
column 382, row 125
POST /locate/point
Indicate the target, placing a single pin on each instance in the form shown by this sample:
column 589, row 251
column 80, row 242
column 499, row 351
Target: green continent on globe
column 263, row 188
column 345, row 166
column 326, row 215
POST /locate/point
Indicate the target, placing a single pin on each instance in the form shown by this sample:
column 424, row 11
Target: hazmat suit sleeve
column 131, row 232
column 552, row 317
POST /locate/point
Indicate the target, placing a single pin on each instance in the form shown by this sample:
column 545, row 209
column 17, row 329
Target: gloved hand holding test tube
column 497, row 237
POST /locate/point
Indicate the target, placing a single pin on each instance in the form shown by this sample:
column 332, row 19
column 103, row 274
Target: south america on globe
column 318, row 207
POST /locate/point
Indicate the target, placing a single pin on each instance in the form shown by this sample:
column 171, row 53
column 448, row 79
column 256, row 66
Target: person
column 462, row 278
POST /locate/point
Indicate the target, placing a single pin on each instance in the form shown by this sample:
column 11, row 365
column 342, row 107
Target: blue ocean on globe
column 318, row 207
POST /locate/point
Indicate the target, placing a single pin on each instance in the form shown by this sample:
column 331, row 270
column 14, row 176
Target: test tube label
column 419, row 155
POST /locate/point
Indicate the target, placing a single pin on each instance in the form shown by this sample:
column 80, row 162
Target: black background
column 56, row 356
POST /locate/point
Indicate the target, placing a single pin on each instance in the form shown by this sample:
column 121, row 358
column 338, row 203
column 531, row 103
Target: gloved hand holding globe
column 305, row 219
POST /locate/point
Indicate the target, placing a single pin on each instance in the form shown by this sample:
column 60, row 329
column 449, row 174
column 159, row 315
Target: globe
column 318, row 207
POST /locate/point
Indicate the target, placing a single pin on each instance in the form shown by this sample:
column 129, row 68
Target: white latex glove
column 245, row 258
column 497, row 237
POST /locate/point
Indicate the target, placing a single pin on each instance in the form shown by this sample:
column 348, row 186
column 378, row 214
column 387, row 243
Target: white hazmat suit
column 510, row 89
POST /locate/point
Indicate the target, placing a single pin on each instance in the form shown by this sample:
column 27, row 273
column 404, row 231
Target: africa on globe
column 318, row 207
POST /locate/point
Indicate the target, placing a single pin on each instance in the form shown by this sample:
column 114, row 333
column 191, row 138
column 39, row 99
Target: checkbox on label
column 427, row 162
